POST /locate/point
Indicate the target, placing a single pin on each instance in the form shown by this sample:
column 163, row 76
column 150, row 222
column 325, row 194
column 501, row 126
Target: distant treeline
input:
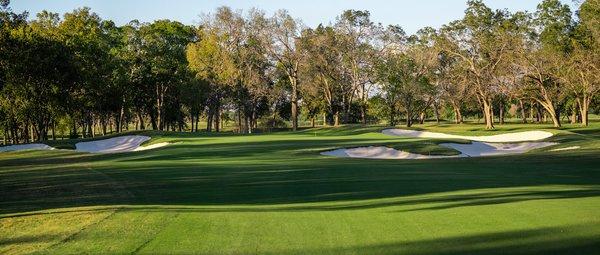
column 83, row 75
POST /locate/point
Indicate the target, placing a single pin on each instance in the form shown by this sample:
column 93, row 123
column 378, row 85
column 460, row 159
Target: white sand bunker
column 475, row 149
column 379, row 152
column 493, row 145
column 117, row 144
column 22, row 147
column 500, row 138
column 479, row 149
column 567, row 148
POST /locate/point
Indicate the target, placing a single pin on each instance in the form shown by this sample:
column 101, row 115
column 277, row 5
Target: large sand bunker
column 475, row 149
column 111, row 145
column 500, row 138
column 379, row 152
column 117, row 144
column 22, row 147
column 479, row 149
column 493, row 145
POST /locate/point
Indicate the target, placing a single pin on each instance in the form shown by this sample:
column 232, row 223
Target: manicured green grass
column 274, row 194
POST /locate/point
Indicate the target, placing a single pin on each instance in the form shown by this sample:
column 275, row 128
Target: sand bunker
column 493, row 145
column 566, row 148
column 111, row 145
column 151, row 146
column 379, row 152
column 22, row 147
column 500, row 138
column 479, row 149
column 475, row 149
column 117, row 144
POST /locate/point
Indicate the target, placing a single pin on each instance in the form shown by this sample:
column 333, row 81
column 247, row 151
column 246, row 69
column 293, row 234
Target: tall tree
column 404, row 72
column 165, row 43
column 322, row 71
column 280, row 34
column 543, row 55
column 582, row 72
column 356, row 33
column 481, row 43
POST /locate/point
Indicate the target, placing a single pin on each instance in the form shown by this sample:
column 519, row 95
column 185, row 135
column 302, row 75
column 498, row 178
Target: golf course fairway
column 274, row 193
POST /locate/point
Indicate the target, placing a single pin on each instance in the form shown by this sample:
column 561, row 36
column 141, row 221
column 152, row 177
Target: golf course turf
column 275, row 194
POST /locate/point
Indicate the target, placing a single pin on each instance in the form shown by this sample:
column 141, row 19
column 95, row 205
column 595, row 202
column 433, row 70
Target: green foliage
column 245, row 65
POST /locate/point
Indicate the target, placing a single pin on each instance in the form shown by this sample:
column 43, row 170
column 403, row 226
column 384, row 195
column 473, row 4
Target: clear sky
column 410, row 14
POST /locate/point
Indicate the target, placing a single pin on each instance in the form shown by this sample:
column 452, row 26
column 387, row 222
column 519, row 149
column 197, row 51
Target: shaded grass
column 274, row 194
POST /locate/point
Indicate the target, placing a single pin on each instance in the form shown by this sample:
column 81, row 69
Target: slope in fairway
column 275, row 194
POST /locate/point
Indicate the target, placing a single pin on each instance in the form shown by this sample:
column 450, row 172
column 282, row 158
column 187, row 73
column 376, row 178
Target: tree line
column 83, row 76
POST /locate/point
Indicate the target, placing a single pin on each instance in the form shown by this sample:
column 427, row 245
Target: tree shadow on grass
column 550, row 240
column 4, row 241
column 434, row 202
column 285, row 171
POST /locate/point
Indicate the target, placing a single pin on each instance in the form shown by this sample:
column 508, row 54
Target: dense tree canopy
column 80, row 75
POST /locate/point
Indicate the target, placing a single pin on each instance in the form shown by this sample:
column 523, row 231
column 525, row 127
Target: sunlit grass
column 273, row 193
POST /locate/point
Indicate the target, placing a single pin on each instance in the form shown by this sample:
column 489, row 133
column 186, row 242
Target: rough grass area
column 273, row 193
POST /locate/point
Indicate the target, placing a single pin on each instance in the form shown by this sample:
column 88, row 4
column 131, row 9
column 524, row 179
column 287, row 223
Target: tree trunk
column 247, row 124
column 239, row 117
column 141, row 120
column 363, row 113
column 501, row 115
column 54, row 130
column 554, row 115
column 217, row 118
column 209, row 120
column 523, row 115
column 119, row 122
column 459, row 117
column 573, row 117
column 153, row 120
column 103, row 125
column 408, row 118
column 253, row 124
column 312, row 121
column 159, row 121
column 5, row 136
column 584, row 106
column 488, row 114
column 457, row 113
column 192, row 121
column 90, row 126
column 294, row 82
column 437, row 113
column 160, row 100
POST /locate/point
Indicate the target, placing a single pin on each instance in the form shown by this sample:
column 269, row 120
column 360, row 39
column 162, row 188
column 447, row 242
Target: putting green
column 274, row 194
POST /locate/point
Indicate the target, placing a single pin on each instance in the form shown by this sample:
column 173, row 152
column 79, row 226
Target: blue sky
column 411, row 15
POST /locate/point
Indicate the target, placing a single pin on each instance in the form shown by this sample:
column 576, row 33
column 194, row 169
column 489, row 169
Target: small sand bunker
column 479, row 149
column 567, row 148
column 379, row 152
column 500, row 138
column 151, row 146
column 117, row 144
column 22, row 147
